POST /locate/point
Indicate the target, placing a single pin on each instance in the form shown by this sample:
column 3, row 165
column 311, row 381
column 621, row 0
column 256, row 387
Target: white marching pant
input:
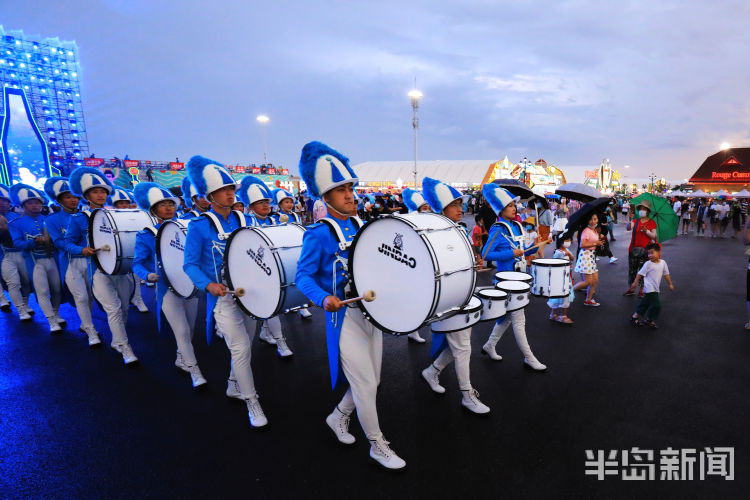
column 459, row 349
column 180, row 314
column 518, row 319
column 274, row 326
column 361, row 357
column 237, row 329
column 137, row 299
column 113, row 292
column 47, row 286
column 16, row 277
column 77, row 280
column 3, row 299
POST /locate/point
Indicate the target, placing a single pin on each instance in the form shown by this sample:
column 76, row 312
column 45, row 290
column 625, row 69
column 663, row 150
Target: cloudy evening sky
column 657, row 84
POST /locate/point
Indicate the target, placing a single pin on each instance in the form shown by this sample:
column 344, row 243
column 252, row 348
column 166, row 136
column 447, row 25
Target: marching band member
column 284, row 200
column 58, row 189
column 415, row 202
column 180, row 312
column 124, row 199
column 14, row 271
column 112, row 291
column 255, row 195
column 506, row 246
column 355, row 346
column 446, row 200
column 204, row 264
column 195, row 204
column 30, row 235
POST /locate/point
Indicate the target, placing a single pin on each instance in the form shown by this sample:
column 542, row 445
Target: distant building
column 728, row 169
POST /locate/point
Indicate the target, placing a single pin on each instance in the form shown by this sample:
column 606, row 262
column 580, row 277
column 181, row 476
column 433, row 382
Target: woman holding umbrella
column 644, row 233
column 591, row 240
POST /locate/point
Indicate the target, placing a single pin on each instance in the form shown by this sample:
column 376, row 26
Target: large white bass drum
column 551, row 278
column 263, row 261
column 113, row 231
column 420, row 265
column 170, row 254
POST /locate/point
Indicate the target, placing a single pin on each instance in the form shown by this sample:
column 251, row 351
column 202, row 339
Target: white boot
column 139, row 304
column 432, row 375
column 94, row 340
column 281, row 348
column 415, row 337
column 265, row 335
column 128, row 356
column 519, row 331
column 534, row 363
column 196, row 376
column 180, row 363
column 305, row 313
column 233, row 389
column 470, row 401
column 489, row 347
column 338, row 421
column 384, row 455
column 255, row 412
column 23, row 314
column 59, row 320
column 54, row 326
column 4, row 302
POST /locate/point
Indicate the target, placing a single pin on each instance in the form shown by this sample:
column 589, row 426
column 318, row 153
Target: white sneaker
column 338, row 421
column 59, row 320
column 489, row 350
column 282, row 349
column 470, row 401
column 233, row 389
column 94, row 340
column 534, row 363
column 128, row 356
column 255, row 412
column 432, row 376
column 384, row 455
column 415, row 337
column 612, row 260
column 196, row 376
column 29, row 310
column 54, row 327
column 24, row 315
column 265, row 335
column 305, row 313
column 140, row 305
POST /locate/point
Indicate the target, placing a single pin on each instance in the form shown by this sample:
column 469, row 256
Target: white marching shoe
column 338, row 421
column 140, row 305
column 265, row 335
column 432, row 376
column 180, row 363
column 93, row 335
column 128, row 356
column 233, row 389
column 59, row 320
column 196, row 376
column 534, row 363
column 489, row 350
column 470, row 401
column 415, row 337
column 54, row 326
column 282, row 349
column 305, row 313
column 23, row 314
column 384, row 455
column 255, row 412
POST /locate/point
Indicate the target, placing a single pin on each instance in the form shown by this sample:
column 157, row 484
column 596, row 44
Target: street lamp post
column 652, row 178
column 415, row 95
column 263, row 119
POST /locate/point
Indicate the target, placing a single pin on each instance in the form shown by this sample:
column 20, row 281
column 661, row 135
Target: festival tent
column 699, row 194
column 742, row 194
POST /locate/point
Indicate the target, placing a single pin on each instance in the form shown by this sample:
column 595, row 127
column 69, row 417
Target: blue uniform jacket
column 318, row 273
column 77, row 238
column 293, row 217
column 204, row 258
column 144, row 263
column 23, row 230
column 11, row 216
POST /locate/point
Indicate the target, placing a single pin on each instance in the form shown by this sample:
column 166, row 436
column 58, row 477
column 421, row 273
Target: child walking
column 651, row 272
column 560, row 306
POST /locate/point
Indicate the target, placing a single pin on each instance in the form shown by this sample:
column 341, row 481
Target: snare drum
column 170, row 255
column 513, row 276
column 551, row 278
column 493, row 303
column 518, row 294
column 468, row 316
column 263, row 261
column 421, row 266
column 117, row 229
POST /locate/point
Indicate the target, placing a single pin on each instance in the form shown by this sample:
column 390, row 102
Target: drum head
column 474, row 305
column 492, row 294
column 391, row 258
column 170, row 248
column 550, row 262
column 250, row 264
column 513, row 286
column 101, row 233
column 512, row 276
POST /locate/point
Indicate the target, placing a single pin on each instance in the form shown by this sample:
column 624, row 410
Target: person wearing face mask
column 644, row 233
column 589, row 243
column 560, row 306
column 530, row 238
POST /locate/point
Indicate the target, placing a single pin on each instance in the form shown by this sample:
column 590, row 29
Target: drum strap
column 152, row 229
column 217, row 225
column 336, row 230
column 241, row 219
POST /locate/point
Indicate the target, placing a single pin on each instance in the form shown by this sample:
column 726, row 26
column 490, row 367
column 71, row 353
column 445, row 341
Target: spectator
column 559, row 307
column 545, row 222
column 478, row 235
column 644, row 233
column 651, row 272
column 700, row 224
column 586, row 263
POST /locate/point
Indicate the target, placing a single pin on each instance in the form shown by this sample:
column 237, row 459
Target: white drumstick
column 369, row 296
column 283, row 218
column 240, row 292
column 105, row 248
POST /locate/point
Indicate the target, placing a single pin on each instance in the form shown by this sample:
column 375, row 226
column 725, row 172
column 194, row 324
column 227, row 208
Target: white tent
column 742, row 194
column 699, row 194
column 720, row 192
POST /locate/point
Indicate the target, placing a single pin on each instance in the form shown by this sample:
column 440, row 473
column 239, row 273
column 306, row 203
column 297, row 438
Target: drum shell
column 518, row 294
column 118, row 229
column 492, row 307
column 467, row 317
column 551, row 278
column 172, row 273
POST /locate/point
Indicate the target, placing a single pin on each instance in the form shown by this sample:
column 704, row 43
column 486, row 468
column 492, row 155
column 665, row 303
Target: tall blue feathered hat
column 279, row 194
column 148, row 194
column 323, row 168
column 438, row 194
column 55, row 186
column 84, row 178
column 20, row 193
column 253, row 189
column 4, row 192
column 498, row 197
column 413, row 199
column 120, row 194
column 188, row 191
column 207, row 175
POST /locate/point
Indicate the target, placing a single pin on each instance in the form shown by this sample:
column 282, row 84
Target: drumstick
column 240, row 292
column 369, row 296
column 283, row 218
column 538, row 244
column 105, row 248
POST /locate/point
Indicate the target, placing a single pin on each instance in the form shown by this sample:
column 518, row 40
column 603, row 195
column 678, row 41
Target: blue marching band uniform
column 52, row 257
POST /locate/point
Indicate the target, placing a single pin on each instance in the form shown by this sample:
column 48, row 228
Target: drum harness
column 515, row 241
column 343, row 247
column 219, row 247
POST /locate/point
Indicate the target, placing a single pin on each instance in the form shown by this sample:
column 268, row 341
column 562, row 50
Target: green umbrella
column 662, row 213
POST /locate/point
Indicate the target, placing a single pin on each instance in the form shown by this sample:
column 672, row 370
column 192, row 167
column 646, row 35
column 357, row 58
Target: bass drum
column 170, row 255
column 263, row 261
column 116, row 229
column 420, row 265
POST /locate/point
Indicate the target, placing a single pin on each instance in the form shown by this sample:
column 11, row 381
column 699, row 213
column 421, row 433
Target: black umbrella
column 578, row 192
column 516, row 187
column 539, row 201
column 580, row 218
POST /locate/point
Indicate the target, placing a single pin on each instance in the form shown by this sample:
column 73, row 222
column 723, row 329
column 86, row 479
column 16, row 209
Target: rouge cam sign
column 730, row 175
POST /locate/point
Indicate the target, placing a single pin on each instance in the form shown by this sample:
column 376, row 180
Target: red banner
column 592, row 174
column 93, row 162
column 284, row 171
column 173, row 165
column 131, row 163
column 271, row 171
column 256, row 170
column 240, row 169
